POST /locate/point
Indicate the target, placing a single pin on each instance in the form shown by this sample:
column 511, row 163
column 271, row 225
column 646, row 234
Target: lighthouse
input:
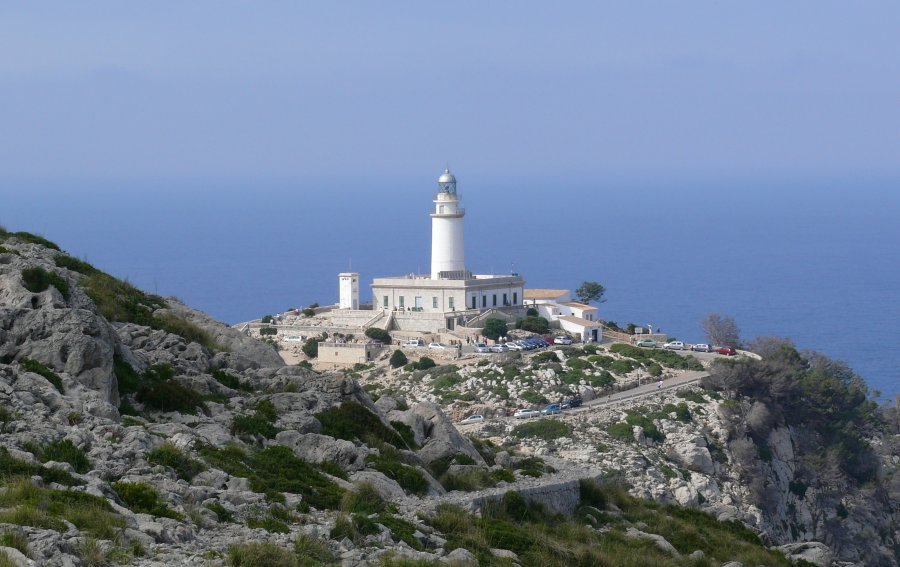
column 448, row 259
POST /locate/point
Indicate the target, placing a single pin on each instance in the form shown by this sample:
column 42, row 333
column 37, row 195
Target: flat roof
column 583, row 306
column 544, row 293
column 579, row 321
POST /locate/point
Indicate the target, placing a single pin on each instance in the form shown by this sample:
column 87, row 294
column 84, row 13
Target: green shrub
column 38, row 368
column 159, row 390
column 533, row 324
column 533, row 397
column 74, row 264
column 251, row 425
column 268, row 523
column 11, row 466
column 425, row 363
column 546, row 429
column 230, row 381
column 16, row 539
column 469, row 480
column 258, row 555
column 61, row 451
column 31, row 238
column 621, row 431
column 406, row 433
column 655, row 370
column 494, row 329
column 268, row 331
column 37, row 280
column 578, row 364
column 276, row 469
column 364, row 500
column 504, row 475
column 353, row 421
column 266, row 319
column 311, row 347
column 143, row 498
column 169, row 455
column 119, row 301
column 546, row 356
column 533, row 466
column 410, row 478
column 691, row 396
column 311, row 551
column 221, row 512
column 398, row 359
column 379, row 335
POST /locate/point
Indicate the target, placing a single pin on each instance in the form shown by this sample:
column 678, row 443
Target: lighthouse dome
column 447, row 177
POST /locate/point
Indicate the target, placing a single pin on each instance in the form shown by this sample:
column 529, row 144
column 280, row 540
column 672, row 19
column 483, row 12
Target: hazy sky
column 124, row 91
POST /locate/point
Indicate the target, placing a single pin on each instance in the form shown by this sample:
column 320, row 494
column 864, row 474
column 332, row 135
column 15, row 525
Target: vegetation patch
column 38, row 279
column 27, row 504
column 74, row 264
column 11, row 466
column 388, row 463
column 664, row 357
column 169, row 455
column 62, row 451
column 28, row 237
column 354, row 422
column 34, row 366
column 546, row 429
column 379, row 335
column 624, row 430
column 230, row 381
column 119, row 301
column 158, row 390
column 276, row 469
column 260, row 424
column 143, row 498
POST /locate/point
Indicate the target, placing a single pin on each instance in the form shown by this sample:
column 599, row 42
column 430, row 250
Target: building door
column 418, row 303
column 450, row 323
column 594, row 335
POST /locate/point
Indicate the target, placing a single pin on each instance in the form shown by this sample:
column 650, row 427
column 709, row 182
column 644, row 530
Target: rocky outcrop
column 442, row 439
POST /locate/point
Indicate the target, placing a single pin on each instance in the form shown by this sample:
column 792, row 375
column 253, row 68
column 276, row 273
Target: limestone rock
column 692, row 457
column 387, row 488
column 658, row 540
column 316, row 448
column 441, row 438
column 460, row 555
column 812, row 551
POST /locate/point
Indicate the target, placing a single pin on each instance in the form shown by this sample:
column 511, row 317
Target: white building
column 578, row 319
column 349, row 290
column 451, row 295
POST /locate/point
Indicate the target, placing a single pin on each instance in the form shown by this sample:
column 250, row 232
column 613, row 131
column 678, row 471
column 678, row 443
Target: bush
column 533, row 397
column 398, row 359
column 379, row 335
column 276, row 469
column 251, row 425
column 311, row 551
column 494, row 329
column 311, row 347
column 309, row 312
column 143, row 498
column 364, row 500
column 169, row 455
column 30, row 238
column 621, row 431
column 38, row 368
column 546, row 429
column 268, row 331
column 61, row 451
column 425, row 363
column 74, row 264
column 546, row 356
column 353, row 421
column 533, row 324
column 231, row 381
column 410, row 478
column 11, row 466
column 258, row 554
column 221, row 512
column 169, row 395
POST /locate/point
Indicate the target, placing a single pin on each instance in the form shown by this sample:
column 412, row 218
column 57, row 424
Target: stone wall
column 560, row 497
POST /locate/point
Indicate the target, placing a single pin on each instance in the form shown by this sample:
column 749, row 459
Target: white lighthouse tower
column 448, row 259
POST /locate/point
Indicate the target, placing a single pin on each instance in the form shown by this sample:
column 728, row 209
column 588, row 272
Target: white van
column 414, row 343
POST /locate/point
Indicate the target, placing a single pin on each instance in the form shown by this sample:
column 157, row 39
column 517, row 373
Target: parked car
column 551, row 409
column 526, row 413
column 523, row 345
column 513, row 346
column 438, row 346
column 562, row 340
column 727, row 351
column 573, row 403
column 481, row 347
column 499, row 347
column 702, row 347
column 475, row 418
column 674, row 345
column 530, row 343
column 414, row 343
column 648, row 343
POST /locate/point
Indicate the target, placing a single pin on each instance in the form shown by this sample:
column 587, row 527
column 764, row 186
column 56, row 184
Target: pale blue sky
column 224, row 91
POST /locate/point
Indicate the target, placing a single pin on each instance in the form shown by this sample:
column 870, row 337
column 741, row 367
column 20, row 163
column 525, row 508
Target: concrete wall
column 341, row 355
column 561, row 497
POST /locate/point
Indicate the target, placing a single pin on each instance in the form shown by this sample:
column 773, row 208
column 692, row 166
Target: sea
column 816, row 260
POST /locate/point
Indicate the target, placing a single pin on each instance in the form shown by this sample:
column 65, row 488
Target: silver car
column 499, row 347
column 702, row 347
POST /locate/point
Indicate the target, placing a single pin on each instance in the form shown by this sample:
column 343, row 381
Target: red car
column 727, row 351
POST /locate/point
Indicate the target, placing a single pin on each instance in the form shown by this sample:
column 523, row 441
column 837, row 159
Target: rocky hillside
column 136, row 430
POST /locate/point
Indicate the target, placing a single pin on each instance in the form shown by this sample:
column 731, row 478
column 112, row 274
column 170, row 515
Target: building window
column 450, row 303
column 401, row 302
column 495, row 301
column 484, row 301
column 515, row 298
column 385, row 302
column 434, row 303
column 474, row 302
column 504, row 300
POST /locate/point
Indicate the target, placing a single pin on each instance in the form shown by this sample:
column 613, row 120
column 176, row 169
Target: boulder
column 658, row 540
column 813, row 552
column 460, row 555
column 441, row 437
column 387, row 488
column 316, row 448
column 692, row 457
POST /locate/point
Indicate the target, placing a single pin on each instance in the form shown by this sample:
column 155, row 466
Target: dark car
column 727, row 351
column 573, row 403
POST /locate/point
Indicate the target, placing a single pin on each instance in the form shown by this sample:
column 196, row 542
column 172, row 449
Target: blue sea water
column 814, row 260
